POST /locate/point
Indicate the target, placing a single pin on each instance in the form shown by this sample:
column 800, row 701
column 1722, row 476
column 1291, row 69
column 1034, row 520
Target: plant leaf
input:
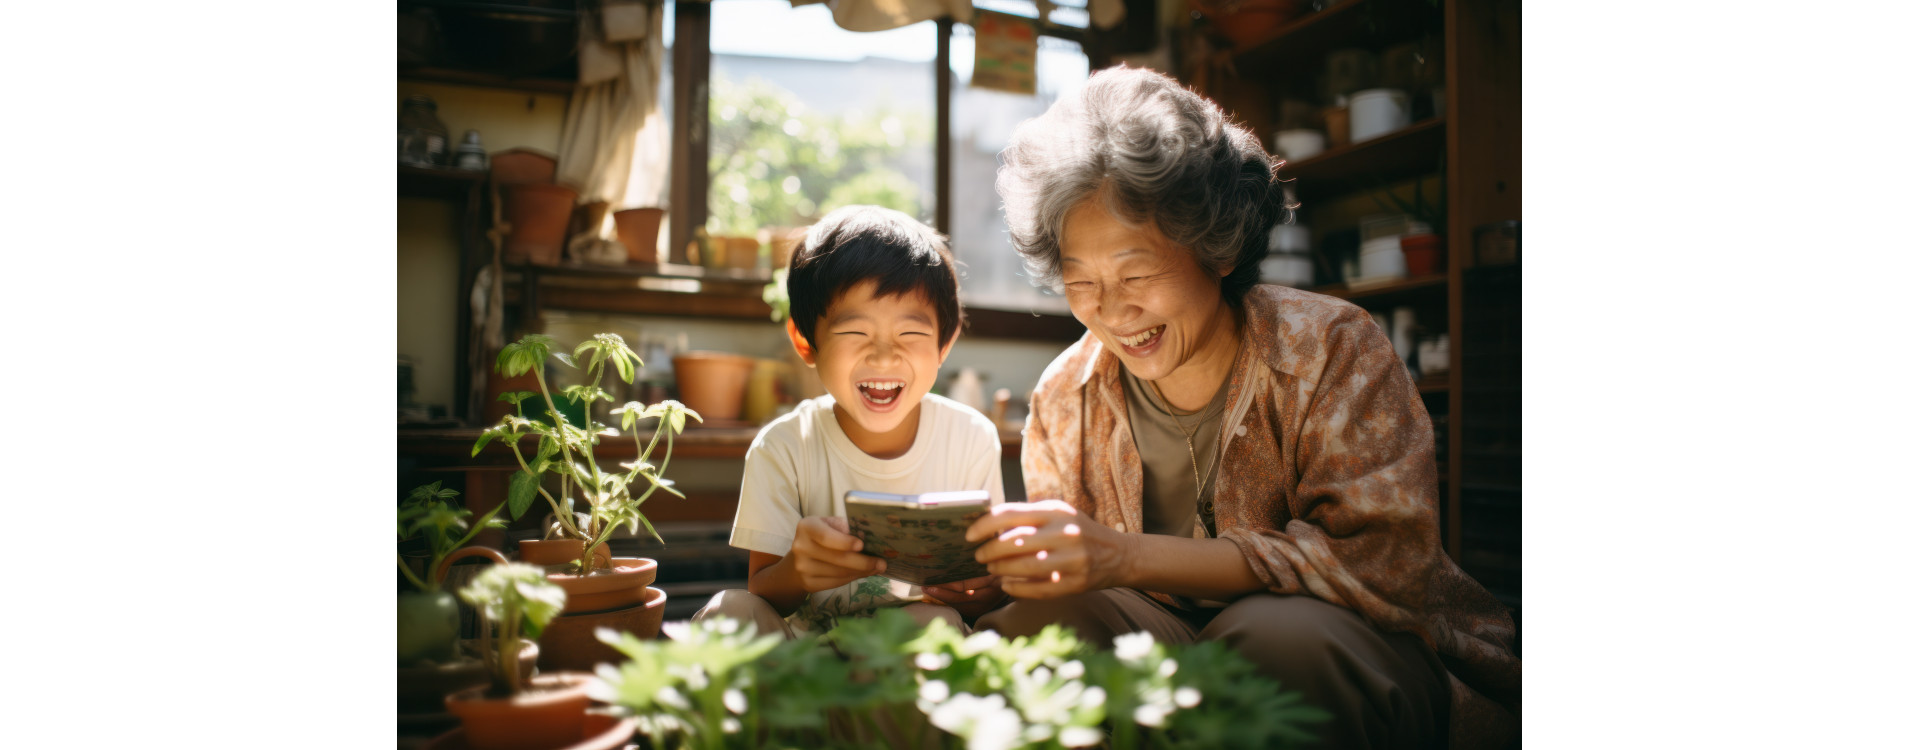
column 520, row 492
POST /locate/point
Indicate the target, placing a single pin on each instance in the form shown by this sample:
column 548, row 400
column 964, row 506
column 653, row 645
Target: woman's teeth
column 878, row 392
column 1143, row 336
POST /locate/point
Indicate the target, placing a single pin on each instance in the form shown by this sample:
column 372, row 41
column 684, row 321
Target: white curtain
column 606, row 148
column 880, row 15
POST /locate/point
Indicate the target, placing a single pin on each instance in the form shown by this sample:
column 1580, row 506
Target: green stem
column 566, row 518
column 424, row 587
column 478, row 525
column 510, row 653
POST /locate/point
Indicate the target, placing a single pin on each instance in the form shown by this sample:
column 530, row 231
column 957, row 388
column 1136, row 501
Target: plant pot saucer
column 627, row 573
column 568, row 643
column 602, row 733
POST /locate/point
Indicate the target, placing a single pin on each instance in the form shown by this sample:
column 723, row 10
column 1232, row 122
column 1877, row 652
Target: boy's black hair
column 857, row 243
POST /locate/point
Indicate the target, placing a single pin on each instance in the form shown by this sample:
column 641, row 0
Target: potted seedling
column 512, row 711
column 430, row 662
column 603, row 591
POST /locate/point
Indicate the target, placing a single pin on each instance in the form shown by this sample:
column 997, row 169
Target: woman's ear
column 800, row 345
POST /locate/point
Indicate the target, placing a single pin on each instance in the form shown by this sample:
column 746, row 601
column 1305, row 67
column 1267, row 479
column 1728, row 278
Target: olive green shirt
column 1170, row 506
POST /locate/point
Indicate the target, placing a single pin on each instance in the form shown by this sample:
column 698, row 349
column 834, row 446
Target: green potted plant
column 513, row 712
column 603, row 591
column 431, row 663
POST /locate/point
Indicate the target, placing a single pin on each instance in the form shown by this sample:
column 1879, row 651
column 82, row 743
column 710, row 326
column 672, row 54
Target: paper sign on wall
column 1004, row 50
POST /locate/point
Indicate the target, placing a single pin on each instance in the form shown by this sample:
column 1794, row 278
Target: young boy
column 875, row 308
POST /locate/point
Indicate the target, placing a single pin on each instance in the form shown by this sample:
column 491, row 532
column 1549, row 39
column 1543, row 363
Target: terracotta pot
column 1251, row 21
column 559, row 552
column 743, row 253
column 549, row 713
column 607, row 588
column 713, row 383
column 424, row 689
column 539, row 215
column 639, row 230
column 569, row 643
column 781, row 242
column 1423, row 254
column 521, row 165
column 1339, row 126
column 601, row 733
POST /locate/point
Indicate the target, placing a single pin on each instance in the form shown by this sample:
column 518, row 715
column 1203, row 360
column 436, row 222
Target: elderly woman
column 1217, row 459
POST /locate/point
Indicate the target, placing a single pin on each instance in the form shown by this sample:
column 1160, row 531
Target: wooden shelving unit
column 1474, row 148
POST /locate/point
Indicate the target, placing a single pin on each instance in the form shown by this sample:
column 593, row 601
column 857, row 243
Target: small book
column 922, row 537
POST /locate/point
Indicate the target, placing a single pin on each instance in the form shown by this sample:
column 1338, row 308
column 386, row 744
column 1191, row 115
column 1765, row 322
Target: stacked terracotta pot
column 616, row 595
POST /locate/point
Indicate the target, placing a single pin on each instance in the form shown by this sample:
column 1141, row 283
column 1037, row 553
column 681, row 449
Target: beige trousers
column 1385, row 690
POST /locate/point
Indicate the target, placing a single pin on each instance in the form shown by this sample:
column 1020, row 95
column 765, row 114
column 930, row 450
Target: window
column 806, row 117
column 983, row 122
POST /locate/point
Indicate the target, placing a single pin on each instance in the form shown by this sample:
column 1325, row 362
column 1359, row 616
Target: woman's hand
column 1048, row 549
column 826, row 555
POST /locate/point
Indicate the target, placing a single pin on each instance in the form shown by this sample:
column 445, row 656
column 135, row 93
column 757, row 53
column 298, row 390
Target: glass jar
column 423, row 137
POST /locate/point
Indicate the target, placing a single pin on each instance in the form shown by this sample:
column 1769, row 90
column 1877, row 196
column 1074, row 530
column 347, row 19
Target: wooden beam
column 692, row 66
column 943, row 126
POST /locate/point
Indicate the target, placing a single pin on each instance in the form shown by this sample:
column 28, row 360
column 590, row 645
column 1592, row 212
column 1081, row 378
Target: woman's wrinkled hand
column 1047, row 549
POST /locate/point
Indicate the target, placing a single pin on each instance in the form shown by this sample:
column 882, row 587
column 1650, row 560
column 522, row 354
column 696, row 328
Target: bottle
column 423, row 137
column 470, row 155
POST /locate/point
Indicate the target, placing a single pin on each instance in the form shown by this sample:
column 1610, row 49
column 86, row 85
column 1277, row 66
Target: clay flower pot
column 713, row 383
column 1423, row 254
column 518, row 166
column 607, row 588
column 569, row 642
column 1247, row 22
column 639, row 230
column 539, row 215
column 550, row 712
column 602, row 733
column 559, row 552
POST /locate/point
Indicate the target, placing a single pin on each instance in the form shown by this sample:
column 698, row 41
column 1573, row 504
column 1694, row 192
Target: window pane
column 807, row 117
column 983, row 121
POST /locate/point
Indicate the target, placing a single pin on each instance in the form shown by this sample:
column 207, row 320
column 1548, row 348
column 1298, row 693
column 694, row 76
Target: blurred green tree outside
column 776, row 163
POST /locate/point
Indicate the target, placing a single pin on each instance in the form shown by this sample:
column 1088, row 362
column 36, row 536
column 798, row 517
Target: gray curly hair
column 1155, row 154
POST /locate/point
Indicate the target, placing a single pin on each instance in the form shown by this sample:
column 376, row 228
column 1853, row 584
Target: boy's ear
column 948, row 349
column 800, row 345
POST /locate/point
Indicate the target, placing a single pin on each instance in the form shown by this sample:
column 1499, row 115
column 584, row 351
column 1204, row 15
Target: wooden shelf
column 456, row 446
column 651, row 270
column 1395, row 291
column 1435, row 384
column 438, row 182
column 1303, row 42
column 1002, row 324
column 478, row 79
column 1411, row 151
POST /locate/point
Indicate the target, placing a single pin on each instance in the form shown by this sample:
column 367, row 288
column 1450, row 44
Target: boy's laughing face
column 878, row 356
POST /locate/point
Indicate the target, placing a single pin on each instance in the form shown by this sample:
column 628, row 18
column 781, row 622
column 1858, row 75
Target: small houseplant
column 429, row 618
column 602, row 590
column 516, row 713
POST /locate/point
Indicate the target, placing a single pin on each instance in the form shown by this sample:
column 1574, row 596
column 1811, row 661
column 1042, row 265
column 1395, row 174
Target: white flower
column 1042, row 675
column 734, row 700
column 678, row 630
column 931, row 661
column 935, row 691
column 1036, row 733
column 1072, row 670
column 997, row 729
column 1149, row 715
column 697, row 678
column 667, row 696
column 1186, row 697
column 982, row 641
column 1168, row 667
column 1095, row 697
column 730, row 725
column 1133, row 646
column 1080, row 737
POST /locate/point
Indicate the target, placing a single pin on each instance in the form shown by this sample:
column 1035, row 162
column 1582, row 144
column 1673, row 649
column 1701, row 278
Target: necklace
column 1199, row 483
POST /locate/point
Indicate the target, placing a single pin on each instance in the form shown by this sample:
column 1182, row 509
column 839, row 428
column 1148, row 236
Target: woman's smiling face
column 1145, row 298
column 878, row 356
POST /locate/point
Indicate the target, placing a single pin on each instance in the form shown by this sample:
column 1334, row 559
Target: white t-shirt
column 802, row 465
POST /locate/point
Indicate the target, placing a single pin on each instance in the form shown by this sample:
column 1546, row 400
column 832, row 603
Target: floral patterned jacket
column 1326, row 483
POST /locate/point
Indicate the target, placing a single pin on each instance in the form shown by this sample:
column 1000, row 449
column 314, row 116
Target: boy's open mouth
column 880, row 393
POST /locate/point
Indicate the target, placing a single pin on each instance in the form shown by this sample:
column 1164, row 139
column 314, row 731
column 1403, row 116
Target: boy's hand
column 827, row 556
